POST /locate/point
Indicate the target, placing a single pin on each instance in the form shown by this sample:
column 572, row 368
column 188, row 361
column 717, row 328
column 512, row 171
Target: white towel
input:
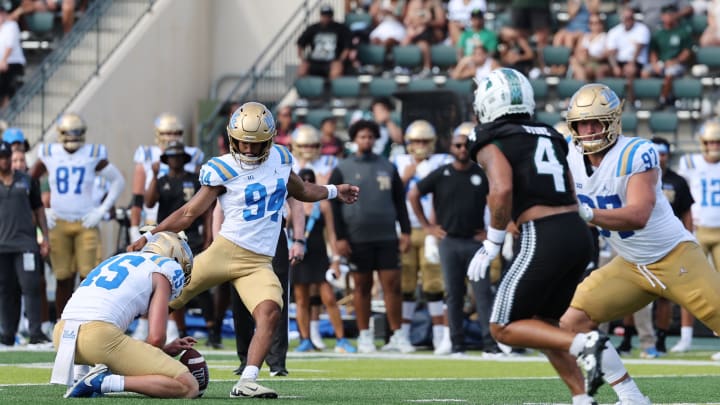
column 65, row 358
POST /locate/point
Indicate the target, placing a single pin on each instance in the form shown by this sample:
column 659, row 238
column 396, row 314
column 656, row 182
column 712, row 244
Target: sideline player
column 252, row 183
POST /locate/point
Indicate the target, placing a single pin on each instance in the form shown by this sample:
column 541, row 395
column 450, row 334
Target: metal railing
column 72, row 64
column 270, row 77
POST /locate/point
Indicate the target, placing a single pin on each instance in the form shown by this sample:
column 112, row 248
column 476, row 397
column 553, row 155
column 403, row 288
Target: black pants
column 245, row 325
column 14, row 283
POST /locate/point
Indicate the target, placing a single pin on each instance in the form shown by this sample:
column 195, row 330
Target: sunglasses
column 460, row 145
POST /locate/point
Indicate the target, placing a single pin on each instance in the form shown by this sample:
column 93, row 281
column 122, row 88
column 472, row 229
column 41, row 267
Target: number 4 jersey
column 606, row 188
column 71, row 177
column 119, row 289
column 253, row 202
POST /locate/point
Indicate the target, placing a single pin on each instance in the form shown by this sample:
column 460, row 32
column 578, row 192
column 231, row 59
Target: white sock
column 405, row 328
column 626, row 388
column 686, row 334
column 408, row 310
column 612, row 366
column 113, row 383
column 578, row 344
column 438, row 334
column 435, row 308
column 250, row 373
column 315, row 328
column 582, row 399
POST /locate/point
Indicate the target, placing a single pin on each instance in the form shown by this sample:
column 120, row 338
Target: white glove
column 50, row 218
column 134, row 234
column 481, row 261
column 93, row 218
column 507, row 248
column 586, row 213
column 432, row 253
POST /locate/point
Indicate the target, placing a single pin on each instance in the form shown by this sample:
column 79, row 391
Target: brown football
column 197, row 365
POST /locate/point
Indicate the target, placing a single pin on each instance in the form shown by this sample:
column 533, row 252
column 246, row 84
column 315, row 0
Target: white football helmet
column 71, row 131
column 172, row 246
column 168, row 128
column 710, row 131
column 306, row 142
column 420, row 138
column 595, row 101
column 252, row 122
column 504, row 91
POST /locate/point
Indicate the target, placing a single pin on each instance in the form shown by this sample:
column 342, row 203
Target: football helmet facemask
column 420, row 138
column 306, row 142
column 504, row 91
column 252, row 122
column 595, row 102
column 172, row 246
column 168, row 128
column 710, row 132
column 71, row 131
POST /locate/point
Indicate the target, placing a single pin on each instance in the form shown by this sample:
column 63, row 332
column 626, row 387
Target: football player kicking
column 251, row 183
column 92, row 328
column 530, row 183
column 72, row 166
column 620, row 190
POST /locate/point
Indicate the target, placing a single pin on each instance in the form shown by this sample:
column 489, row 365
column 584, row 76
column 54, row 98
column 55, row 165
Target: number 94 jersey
column 606, row 188
column 254, row 198
column 71, row 177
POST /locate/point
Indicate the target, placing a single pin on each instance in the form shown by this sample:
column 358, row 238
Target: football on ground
column 198, row 367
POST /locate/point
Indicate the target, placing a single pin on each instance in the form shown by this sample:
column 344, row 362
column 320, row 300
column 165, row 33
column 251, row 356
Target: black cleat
column 590, row 360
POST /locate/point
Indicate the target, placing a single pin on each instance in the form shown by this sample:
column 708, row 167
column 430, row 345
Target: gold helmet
column 306, row 142
column 464, row 129
column 420, row 137
column 709, row 132
column 71, row 131
column 252, row 123
column 172, row 246
column 595, row 102
column 168, row 128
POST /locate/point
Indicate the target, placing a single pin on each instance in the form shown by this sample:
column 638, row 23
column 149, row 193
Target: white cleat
column 634, row 399
column 681, row 346
column 366, row 342
column 399, row 343
column 251, row 389
column 716, row 356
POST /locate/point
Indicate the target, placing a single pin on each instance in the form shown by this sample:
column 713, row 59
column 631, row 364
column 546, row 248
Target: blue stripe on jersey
column 48, row 150
column 689, row 161
column 93, row 150
column 159, row 260
column 148, row 155
column 284, row 154
column 626, row 156
column 230, row 172
column 211, row 164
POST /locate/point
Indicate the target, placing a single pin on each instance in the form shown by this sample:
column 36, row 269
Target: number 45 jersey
column 71, row 177
column 606, row 188
column 254, row 198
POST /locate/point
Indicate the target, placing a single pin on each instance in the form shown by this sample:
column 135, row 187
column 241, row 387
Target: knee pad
column 433, row 296
column 408, row 296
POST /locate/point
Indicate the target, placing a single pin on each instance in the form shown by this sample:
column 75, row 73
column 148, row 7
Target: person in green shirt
column 476, row 32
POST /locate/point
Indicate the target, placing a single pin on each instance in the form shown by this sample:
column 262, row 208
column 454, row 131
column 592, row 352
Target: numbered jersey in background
column 606, row 188
column 423, row 169
column 119, row 289
column 322, row 166
column 71, row 177
column 254, row 199
column 704, row 181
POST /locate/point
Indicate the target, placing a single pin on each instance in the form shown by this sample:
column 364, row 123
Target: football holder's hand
column 585, row 212
column 50, row 218
column 348, row 193
column 93, row 218
column 480, row 263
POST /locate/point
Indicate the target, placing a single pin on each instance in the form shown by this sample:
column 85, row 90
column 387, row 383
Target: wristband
column 149, row 237
column 332, row 191
column 300, row 241
column 495, row 236
column 336, row 259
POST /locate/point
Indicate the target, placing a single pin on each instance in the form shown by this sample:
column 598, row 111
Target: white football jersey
column 607, row 189
column 118, row 290
column 703, row 178
column 146, row 155
column 423, row 169
column 71, row 177
column 322, row 166
column 253, row 203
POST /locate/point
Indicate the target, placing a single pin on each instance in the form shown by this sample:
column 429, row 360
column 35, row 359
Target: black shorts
column 369, row 256
column 319, row 69
column 8, row 79
column 531, row 19
column 554, row 252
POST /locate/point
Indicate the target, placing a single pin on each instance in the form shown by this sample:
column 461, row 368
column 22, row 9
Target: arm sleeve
column 35, row 200
column 427, row 184
column 398, row 190
column 340, row 226
column 117, row 183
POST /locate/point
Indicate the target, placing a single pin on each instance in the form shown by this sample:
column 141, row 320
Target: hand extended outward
column 348, row 193
column 178, row 345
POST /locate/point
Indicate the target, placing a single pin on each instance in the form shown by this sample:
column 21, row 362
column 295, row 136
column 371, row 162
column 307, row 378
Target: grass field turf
column 325, row 378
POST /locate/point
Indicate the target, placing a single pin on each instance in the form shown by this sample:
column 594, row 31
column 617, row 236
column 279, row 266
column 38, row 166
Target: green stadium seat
column 421, row 85
column 407, row 56
column 556, row 55
column 687, row 88
column 540, row 89
column 611, row 20
column 629, row 123
column 382, row 87
column 464, row 88
column 698, row 22
column 647, row 91
column 372, row 55
column 40, row 22
column 616, row 84
column 663, row 122
column 549, row 118
column 310, row 87
column 567, row 87
column 357, row 20
column 443, row 56
column 315, row 117
column 345, row 87
column 709, row 56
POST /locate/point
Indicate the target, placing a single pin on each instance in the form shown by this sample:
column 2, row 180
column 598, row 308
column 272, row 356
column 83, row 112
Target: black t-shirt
column 677, row 192
column 17, row 203
column 326, row 42
column 537, row 154
column 174, row 193
column 459, row 198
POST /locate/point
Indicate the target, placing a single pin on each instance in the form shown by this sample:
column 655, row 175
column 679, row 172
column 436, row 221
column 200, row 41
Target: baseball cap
column 476, row 13
column 13, row 135
column 670, row 8
column 5, row 149
column 326, row 10
column 175, row 148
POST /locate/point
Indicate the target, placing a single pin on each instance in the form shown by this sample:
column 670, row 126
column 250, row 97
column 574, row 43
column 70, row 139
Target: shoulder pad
column 637, row 156
column 172, row 271
column 143, row 154
column 217, row 171
column 286, row 158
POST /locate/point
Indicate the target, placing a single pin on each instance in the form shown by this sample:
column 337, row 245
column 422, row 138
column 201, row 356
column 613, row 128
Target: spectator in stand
column 474, row 33
column 389, row 29
column 589, row 60
column 422, row 19
column 285, row 126
column 391, row 135
column 329, row 43
column 652, row 10
column 627, row 47
column 331, row 145
column 479, row 65
column 67, row 8
column 578, row 24
column 532, row 18
column 670, row 51
column 460, row 15
column 16, row 139
column 711, row 35
column 515, row 51
column 12, row 59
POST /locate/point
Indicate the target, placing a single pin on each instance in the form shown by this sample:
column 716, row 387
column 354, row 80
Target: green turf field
column 327, row 378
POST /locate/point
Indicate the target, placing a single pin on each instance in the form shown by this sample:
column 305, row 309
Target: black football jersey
column 537, row 154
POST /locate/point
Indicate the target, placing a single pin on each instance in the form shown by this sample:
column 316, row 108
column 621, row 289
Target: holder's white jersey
column 423, row 169
column 606, row 188
column 71, row 177
column 118, row 290
column 703, row 178
column 253, row 203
